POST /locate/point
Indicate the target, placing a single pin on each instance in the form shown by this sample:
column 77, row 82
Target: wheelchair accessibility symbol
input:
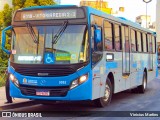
column 49, row 58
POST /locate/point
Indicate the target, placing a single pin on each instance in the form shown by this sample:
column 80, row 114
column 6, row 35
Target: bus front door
column 150, row 62
column 126, row 51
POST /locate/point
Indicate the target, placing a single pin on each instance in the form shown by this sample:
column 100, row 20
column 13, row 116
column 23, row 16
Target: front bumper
column 81, row 92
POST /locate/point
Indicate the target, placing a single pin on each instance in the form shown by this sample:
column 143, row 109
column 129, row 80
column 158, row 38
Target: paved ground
column 121, row 104
column 3, row 97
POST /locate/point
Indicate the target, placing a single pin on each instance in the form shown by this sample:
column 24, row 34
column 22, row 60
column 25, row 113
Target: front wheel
column 106, row 99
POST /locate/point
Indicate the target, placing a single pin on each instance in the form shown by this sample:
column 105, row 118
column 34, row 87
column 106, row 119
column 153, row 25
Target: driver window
column 96, row 48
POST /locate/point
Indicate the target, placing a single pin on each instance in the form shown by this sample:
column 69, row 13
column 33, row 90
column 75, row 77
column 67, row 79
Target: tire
column 104, row 101
column 142, row 88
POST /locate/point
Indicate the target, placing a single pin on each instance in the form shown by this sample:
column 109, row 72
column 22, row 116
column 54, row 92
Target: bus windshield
column 70, row 47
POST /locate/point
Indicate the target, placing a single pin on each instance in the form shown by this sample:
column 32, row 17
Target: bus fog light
column 14, row 80
column 74, row 84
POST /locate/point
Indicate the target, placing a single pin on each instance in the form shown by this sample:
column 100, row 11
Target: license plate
column 42, row 92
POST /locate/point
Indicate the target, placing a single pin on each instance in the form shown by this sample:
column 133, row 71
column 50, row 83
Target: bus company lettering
column 29, row 81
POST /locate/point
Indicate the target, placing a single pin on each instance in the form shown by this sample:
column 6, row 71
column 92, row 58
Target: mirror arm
column 4, row 39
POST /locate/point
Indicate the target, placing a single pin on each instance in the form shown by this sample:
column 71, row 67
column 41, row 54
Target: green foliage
column 17, row 4
column 7, row 15
column 46, row 2
column 29, row 3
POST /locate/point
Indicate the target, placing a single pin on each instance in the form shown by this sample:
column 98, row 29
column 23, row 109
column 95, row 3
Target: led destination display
column 49, row 14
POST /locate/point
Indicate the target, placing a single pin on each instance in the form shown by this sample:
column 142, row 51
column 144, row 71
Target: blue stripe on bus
column 110, row 65
column 134, row 65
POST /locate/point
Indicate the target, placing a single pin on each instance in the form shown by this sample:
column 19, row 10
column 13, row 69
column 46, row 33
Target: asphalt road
column 124, row 101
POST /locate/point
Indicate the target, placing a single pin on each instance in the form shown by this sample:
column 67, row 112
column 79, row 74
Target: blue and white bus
column 70, row 53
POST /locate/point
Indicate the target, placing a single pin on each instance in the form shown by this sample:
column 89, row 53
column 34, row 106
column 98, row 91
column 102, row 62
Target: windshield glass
column 70, row 47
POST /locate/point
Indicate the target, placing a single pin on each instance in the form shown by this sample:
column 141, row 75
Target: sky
column 133, row 8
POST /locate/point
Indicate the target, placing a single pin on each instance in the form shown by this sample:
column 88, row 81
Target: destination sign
column 46, row 14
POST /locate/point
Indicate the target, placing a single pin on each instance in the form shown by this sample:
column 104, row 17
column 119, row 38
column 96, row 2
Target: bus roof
column 48, row 7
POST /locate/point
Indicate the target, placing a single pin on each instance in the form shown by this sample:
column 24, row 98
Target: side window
column 13, row 39
column 141, row 41
column 96, row 55
column 150, row 44
column 95, row 46
column 108, row 35
column 139, row 44
column 147, row 42
column 127, row 47
column 117, row 35
column 153, row 44
column 144, row 42
column 133, row 40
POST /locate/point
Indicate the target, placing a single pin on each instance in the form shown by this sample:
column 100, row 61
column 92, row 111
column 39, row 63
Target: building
column 97, row 4
column 118, row 13
column 3, row 2
column 144, row 21
column 57, row 1
column 153, row 26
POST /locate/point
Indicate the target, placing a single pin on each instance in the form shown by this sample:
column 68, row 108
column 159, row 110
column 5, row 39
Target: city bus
column 71, row 53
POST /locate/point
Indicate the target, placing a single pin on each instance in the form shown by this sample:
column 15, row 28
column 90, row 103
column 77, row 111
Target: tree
column 17, row 4
column 46, row 2
column 29, row 3
column 7, row 15
column 1, row 20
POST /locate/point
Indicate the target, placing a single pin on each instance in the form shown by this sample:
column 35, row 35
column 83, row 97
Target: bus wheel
column 104, row 101
column 143, row 87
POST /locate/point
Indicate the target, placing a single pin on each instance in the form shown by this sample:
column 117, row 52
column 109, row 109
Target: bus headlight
column 14, row 80
column 79, row 81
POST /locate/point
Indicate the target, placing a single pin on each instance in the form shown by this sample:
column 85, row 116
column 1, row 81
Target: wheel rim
column 107, row 93
column 145, row 83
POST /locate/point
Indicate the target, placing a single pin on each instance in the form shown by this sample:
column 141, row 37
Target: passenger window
column 117, row 35
column 133, row 40
column 127, row 44
column 150, row 44
column 108, row 38
column 153, row 44
column 144, row 42
column 139, row 44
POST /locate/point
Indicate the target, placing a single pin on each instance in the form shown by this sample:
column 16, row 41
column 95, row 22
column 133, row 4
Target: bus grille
column 43, row 70
column 54, row 91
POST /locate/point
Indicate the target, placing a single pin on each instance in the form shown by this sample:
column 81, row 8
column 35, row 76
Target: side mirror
column 97, row 34
column 3, row 43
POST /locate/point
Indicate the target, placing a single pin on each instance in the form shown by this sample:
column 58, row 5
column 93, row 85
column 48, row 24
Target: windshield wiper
column 33, row 36
column 59, row 33
column 32, row 33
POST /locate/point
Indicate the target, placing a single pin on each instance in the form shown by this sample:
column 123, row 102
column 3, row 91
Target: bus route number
column 62, row 82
